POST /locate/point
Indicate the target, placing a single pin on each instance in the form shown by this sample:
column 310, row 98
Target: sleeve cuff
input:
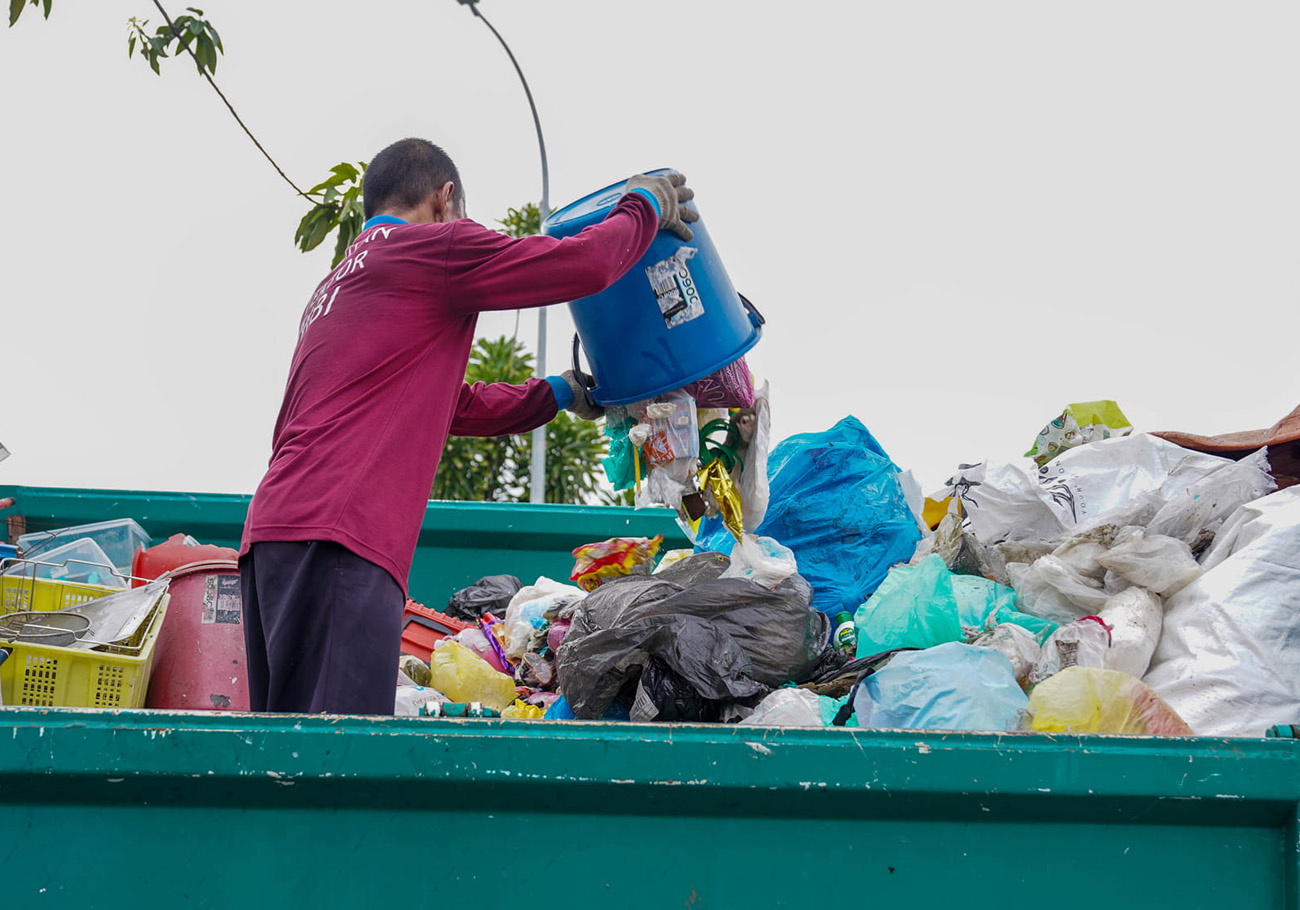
column 653, row 201
column 563, row 392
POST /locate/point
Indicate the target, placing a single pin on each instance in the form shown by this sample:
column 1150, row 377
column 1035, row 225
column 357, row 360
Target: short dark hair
column 405, row 173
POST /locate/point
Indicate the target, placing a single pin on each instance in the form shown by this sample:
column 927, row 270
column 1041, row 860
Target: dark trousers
column 322, row 627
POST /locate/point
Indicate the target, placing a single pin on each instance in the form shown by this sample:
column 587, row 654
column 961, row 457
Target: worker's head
column 414, row 180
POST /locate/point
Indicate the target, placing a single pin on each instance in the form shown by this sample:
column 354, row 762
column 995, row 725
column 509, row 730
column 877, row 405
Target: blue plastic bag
column 925, row 605
column 836, row 502
column 950, row 687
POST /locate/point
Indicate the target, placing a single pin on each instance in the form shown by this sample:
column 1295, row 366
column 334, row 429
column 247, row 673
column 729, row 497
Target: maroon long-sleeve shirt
column 377, row 379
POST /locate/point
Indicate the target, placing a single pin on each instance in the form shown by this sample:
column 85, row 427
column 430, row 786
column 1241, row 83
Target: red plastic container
column 172, row 554
column 199, row 662
column 422, row 628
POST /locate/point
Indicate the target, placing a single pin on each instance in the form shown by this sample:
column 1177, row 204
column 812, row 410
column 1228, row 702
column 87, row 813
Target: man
column 375, row 387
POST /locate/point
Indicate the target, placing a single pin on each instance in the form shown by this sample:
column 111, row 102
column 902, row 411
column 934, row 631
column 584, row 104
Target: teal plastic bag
column 620, row 464
column 926, row 605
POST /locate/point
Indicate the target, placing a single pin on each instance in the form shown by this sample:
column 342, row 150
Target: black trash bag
column 729, row 638
column 487, row 595
column 662, row 695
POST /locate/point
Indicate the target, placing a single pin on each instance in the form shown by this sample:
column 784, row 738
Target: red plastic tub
column 199, row 664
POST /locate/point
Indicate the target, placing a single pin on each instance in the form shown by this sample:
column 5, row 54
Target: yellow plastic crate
column 77, row 678
column 19, row 594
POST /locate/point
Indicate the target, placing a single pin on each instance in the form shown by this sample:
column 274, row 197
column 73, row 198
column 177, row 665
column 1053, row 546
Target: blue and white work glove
column 669, row 193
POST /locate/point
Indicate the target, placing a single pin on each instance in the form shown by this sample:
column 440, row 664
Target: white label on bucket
column 675, row 289
column 221, row 600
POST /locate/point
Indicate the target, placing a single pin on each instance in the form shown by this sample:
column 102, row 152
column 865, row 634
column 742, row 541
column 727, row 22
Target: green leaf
column 195, row 10
column 48, row 5
column 216, row 39
column 130, row 46
column 153, row 65
column 15, row 10
column 206, row 54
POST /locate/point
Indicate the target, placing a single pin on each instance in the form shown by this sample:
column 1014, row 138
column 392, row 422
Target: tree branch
column 230, row 107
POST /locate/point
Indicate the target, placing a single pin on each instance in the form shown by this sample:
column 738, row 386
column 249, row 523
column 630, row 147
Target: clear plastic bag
column 762, row 560
column 1164, row 565
column 787, row 707
column 1017, row 644
column 1082, row 643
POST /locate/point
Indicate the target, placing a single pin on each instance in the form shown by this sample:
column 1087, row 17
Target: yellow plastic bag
column 521, row 710
column 1088, row 700
column 462, row 675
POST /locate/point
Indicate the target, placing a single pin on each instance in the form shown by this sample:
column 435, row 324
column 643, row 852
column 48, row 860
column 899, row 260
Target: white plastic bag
column 786, row 708
column 762, row 560
column 1164, row 565
column 1135, row 617
column 1092, row 479
column 411, row 699
column 1082, row 643
column 752, row 486
column 1137, row 475
column 524, row 615
column 1205, row 503
column 1229, row 659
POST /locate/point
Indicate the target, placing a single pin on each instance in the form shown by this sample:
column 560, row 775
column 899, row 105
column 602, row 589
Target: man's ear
column 447, row 198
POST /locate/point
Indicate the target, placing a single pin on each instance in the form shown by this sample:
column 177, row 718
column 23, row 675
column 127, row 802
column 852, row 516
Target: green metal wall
column 147, row 809
column 459, row 543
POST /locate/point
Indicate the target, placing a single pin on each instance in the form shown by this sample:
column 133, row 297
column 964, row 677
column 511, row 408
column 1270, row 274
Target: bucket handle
column 754, row 315
column 586, row 380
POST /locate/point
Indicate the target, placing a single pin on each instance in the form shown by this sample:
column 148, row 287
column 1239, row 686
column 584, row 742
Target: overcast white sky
column 957, row 216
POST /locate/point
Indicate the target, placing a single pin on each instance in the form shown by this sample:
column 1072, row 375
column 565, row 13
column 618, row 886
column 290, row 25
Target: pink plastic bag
column 730, row 387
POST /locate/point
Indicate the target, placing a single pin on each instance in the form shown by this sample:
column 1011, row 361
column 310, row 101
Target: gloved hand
column 584, row 406
column 670, row 192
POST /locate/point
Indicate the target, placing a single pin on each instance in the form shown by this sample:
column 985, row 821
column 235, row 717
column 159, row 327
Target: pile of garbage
column 1108, row 582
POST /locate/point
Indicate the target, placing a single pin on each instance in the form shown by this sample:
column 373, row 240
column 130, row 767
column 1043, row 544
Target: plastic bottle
column 846, row 633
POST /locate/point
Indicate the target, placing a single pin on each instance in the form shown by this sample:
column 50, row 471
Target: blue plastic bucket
column 672, row 319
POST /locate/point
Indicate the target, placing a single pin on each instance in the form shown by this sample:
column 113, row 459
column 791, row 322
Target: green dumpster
column 460, row 542
column 140, row 808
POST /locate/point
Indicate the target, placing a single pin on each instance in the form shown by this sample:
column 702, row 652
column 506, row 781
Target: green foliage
column 337, row 206
column 496, row 470
column 574, row 449
column 16, row 8
column 192, row 32
column 523, row 222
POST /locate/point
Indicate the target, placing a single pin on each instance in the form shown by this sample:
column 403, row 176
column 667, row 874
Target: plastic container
column 672, row 319
column 37, row 675
column 200, row 664
column 118, row 539
column 176, row 551
column 80, row 561
column 21, row 593
column 423, row 628
column 8, row 550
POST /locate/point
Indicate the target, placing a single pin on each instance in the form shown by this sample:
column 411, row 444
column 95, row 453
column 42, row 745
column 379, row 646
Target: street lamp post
column 537, row 468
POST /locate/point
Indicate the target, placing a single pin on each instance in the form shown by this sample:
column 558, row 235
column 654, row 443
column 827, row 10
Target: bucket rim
column 560, row 218
column 754, row 337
